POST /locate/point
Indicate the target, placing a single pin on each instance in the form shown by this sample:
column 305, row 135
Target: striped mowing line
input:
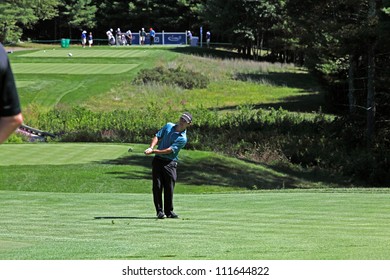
column 71, row 68
column 57, row 154
column 114, row 53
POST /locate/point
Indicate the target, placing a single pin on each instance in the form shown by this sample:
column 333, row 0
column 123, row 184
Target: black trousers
column 164, row 179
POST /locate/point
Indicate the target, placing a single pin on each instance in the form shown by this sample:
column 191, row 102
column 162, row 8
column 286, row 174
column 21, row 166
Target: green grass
column 233, row 83
column 89, row 53
column 111, row 168
column 74, row 68
column 93, row 201
column 48, row 77
column 59, row 154
column 100, row 79
column 248, row 226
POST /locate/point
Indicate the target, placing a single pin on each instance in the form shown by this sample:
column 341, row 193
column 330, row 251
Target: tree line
column 346, row 42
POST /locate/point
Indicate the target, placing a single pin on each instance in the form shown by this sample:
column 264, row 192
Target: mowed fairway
column 50, row 76
column 259, row 225
column 74, row 215
column 71, row 68
column 74, row 68
column 122, row 52
column 58, row 154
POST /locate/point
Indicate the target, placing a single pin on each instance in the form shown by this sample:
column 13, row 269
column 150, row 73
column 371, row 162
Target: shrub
column 181, row 77
column 16, row 138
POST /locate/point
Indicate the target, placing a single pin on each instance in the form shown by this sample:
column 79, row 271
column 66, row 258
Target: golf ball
column 70, row 54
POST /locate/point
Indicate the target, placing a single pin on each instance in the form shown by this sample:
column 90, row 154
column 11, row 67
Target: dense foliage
column 275, row 137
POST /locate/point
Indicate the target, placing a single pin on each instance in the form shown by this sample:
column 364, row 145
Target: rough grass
column 233, row 83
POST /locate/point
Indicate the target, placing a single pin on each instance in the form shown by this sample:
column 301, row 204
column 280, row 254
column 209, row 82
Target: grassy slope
column 52, row 89
column 110, row 168
column 259, row 84
column 262, row 84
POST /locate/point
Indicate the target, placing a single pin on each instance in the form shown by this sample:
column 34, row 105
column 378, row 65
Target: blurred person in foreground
column 10, row 112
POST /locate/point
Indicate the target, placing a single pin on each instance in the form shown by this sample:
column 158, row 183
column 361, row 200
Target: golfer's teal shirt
column 169, row 138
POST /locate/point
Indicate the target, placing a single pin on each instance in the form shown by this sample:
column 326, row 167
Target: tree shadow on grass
column 303, row 81
column 132, row 160
column 306, row 103
column 313, row 176
column 218, row 53
column 211, row 172
column 311, row 99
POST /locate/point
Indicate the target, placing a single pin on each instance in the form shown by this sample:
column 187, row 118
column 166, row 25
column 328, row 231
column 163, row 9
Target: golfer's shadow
column 124, row 218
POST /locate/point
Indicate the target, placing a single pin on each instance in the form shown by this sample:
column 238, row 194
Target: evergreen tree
column 17, row 15
column 79, row 14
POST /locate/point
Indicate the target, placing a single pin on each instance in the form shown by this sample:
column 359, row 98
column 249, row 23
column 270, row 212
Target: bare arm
column 158, row 152
column 162, row 152
column 154, row 142
column 8, row 125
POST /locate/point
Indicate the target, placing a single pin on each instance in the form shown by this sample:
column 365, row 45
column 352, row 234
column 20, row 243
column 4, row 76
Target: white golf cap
column 187, row 117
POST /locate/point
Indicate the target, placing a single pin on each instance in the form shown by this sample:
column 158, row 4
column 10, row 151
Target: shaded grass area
column 109, row 168
column 299, row 80
column 263, row 225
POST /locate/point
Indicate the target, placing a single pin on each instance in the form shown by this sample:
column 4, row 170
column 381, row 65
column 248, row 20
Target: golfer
column 170, row 139
column 10, row 113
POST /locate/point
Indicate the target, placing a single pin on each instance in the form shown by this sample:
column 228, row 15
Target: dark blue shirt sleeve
column 9, row 99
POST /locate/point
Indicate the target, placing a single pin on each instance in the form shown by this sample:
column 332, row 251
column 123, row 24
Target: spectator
column 118, row 36
column 110, row 37
column 90, row 39
column 208, row 37
column 129, row 37
column 189, row 37
column 84, row 38
column 152, row 34
column 143, row 36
